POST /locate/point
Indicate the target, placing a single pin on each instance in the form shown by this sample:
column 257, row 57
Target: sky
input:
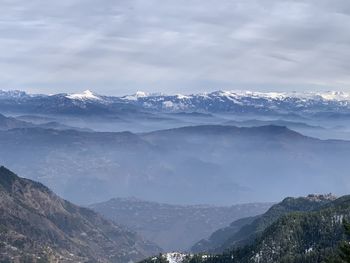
column 118, row 47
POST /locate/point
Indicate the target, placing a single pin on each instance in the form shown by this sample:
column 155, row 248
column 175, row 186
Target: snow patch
column 136, row 96
column 309, row 250
column 181, row 97
column 168, row 104
column 86, row 95
column 175, row 257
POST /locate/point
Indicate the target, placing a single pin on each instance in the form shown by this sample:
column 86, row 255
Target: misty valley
column 212, row 177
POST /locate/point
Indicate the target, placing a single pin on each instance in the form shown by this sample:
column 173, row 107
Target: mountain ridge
column 242, row 102
column 244, row 231
column 184, row 160
column 301, row 236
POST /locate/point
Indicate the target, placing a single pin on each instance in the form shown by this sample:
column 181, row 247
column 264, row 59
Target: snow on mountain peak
column 175, row 257
column 327, row 95
column 138, row 94
column 86, row 95
column 181, row 96
column 141, row 94
column 231, row 99
column 335, row 95
column 233, row 95
column 13, row 93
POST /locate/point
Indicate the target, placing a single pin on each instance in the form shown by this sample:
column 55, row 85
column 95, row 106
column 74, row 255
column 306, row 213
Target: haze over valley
column 185, row 172
column 194, row 149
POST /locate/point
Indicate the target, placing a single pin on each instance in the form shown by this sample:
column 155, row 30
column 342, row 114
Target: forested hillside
column 297, row 237
column 244, row 231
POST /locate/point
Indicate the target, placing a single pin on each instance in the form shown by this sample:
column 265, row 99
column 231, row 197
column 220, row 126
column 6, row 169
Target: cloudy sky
column 121, row 46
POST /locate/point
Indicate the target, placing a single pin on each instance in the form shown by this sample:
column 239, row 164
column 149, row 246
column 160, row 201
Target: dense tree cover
column 343, row 255
column 159, row 259
column 248, row 233
column 300, row 237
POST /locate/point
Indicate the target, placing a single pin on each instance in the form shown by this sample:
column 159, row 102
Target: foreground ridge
column 312, row 234
column 38, row 226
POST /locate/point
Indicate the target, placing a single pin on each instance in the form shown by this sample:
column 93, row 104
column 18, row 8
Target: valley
column 174, row 227
column 200, row 168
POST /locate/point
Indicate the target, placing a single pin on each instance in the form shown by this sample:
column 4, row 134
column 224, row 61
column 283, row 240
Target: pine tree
column 345, row 246
column 344, row 250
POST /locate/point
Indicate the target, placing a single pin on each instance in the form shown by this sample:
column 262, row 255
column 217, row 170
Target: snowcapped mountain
column 215, row 102
column 86, row 95
column 246, row 101
column 12, row 94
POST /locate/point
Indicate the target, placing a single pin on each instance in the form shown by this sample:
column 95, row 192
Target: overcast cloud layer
column 120, row 46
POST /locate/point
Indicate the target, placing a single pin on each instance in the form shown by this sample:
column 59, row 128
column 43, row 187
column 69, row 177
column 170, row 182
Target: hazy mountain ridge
column 9, row 123
column 173, row 227
column 36, row 224
column 194, row 160
column 278, row 122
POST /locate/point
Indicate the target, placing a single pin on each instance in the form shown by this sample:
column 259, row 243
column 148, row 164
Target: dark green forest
column 320, row 235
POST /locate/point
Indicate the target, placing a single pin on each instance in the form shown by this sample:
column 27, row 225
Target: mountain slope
column 245, row 231
column 34, row 222
column 173, row 227
column 296, row 237
column 218, row 238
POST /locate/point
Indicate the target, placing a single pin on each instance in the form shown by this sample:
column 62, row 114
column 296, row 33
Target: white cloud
column 169, row 46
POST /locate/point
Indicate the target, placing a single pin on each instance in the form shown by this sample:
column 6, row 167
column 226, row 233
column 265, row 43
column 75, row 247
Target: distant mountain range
column 212, row 164
column 322, row 115
column 174, row 227
column 38, row 226
column 297, row 230
column 316, row 104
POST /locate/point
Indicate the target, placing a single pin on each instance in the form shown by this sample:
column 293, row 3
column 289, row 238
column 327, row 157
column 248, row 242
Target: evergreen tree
column 343, row 255
column 345, row 246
